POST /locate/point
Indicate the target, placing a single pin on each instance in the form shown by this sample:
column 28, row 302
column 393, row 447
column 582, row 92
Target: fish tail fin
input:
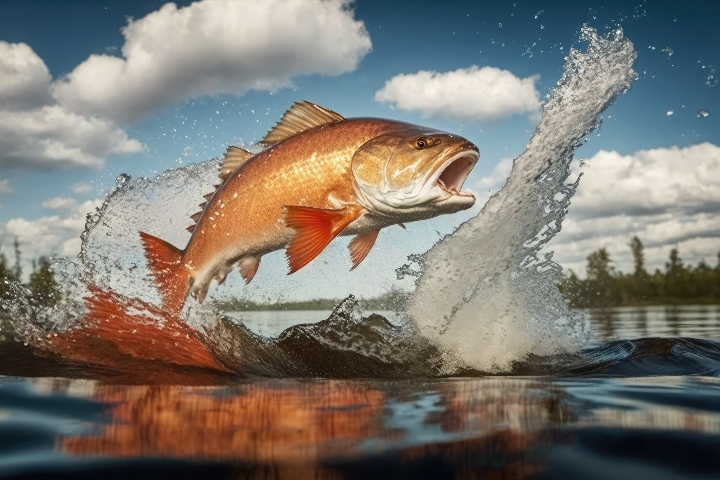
column 171, row 276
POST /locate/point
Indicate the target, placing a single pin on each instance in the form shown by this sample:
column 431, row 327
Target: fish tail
column 166, row 266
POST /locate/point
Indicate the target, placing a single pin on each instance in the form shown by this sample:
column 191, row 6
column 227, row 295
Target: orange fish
column 321, row 176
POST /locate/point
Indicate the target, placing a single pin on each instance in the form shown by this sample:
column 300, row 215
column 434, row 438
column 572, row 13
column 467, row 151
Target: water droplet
column 703, row 113
column 122, row 179
column 500, row 25
column 538, row 14
column 670, row 113
column 669, row 51
column 711, row 80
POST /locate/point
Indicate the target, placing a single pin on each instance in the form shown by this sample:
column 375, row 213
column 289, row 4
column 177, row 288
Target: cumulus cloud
column 55, row 235
column 499, row 175
column 213, row 47
column 24, row 78
column 51, row 137
column 82, row 188
column 60, row 203
column 5, row 188
column 668, row 197
column 481, row 94
column 651, row 181
column 36, row 132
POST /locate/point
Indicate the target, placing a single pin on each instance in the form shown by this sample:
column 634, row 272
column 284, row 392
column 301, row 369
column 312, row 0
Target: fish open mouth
column 452, row 174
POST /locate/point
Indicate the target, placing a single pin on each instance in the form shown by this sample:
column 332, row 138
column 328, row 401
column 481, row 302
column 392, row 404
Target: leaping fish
column 321, row 176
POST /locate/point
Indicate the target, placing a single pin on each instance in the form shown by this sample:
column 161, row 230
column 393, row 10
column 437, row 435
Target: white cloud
column 651, row 181
column 498, row 177
column 668, row 197
column 52, row 137
column 5, row 188
column 36, row 132
column 60, row 203
column 482, row 94
column 213, row 47
column 53, row 235
column 82, row 188
column 24, row 78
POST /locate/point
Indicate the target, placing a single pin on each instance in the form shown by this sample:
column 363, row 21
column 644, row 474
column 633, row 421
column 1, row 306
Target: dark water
column 642, row 400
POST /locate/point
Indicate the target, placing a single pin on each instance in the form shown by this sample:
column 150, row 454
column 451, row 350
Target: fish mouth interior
column 453, row 175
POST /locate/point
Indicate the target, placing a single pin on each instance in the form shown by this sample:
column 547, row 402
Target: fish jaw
column 443, row 188
column 438, row 193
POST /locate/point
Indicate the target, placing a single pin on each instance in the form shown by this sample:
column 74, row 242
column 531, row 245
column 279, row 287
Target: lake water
column 641, row 401
column 698, row 321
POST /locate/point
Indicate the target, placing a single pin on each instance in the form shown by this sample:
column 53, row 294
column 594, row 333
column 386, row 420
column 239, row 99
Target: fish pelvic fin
column 248, row 268
column 315, row 228
column 171, row 276
column 360, row 246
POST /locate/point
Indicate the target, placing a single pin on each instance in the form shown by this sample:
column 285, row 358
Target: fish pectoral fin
column 402, row 225
column 248, row 268
column 360, row 246
column 315, row 228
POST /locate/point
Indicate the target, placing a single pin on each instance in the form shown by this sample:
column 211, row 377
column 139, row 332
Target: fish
column 321, row 175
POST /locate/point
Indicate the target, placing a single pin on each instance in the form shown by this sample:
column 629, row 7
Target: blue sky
column 187, row 119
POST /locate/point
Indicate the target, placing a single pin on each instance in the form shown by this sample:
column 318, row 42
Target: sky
column 90, row 90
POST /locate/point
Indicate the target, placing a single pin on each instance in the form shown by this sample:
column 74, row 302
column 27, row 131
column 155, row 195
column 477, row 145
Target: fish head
column 414, row 174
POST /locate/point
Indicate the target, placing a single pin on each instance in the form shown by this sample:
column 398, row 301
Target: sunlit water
column 486, row 373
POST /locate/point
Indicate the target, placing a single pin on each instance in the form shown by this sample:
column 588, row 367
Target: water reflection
column 642, row 322
column 502, row 427
column 695, row 321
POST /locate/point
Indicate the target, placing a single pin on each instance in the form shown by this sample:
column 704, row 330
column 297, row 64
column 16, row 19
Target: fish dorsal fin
column 235, row 157
column 302, row 116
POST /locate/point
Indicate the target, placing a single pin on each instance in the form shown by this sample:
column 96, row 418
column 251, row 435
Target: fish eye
column 421, row 143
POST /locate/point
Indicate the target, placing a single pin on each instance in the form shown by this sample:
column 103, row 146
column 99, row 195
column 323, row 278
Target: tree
column 6, row 276
column 638, row 252
column 45, row 289
column 640, row 283
column 600, row 279
column 676, row 276
column 574, row 290
column 17, row 270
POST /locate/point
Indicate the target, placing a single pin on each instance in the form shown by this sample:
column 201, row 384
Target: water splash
column 486, row 299
column 485, row 296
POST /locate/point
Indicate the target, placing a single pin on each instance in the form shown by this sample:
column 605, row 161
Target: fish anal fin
column 248, row 268
column 235, row 157
column 171, row 276
column 300, row 117
column 360, row 246
column 315, row 228
column 191, row 228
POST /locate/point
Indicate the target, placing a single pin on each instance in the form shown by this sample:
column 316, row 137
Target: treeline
column 606, row 287
column 44, row 288
column 394, row 300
